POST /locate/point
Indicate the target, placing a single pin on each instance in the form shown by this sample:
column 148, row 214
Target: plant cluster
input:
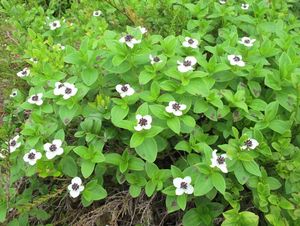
column 208, row 116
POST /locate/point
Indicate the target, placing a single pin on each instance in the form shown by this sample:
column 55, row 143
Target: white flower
column 236, row 60
column 245, row 6
column 32, row 156
column 250, row 144
column 129, row 40
column 36, row 99
column 246, row 41
column 54, row 25
column 124, row 90
column 25, row 72
column 183, row 185
column 34, row 60
column 187, row 64
column 219, row 161
column 154, row 59
column 222, row 1
column 60, row 46
column 175, row 108
column 53, row 149
column 68, row 90
column 97, row 13
column 190, row 42
column 14, row 144
column 75, row 187
column 143, row 122
column 142, row 29
column 13, row 94
column 59, row 89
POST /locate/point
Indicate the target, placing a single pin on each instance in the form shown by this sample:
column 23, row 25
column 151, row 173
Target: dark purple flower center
column 60, row 85
column 128, row 38
column 68, row 91
column 54, row 24
column 143, row 122
column 13, row 143
column 183, row 185
column 124, row 88
column 247, row 41
column 75, row 187
column 248, row 143
column 35, row 98
column 190, row 41
column 156, row 59
column 52, row 147
column 236, row 58
column 187, row 63
column 220, row 159
column 176, row 106
column 97, row 13
column 14, row 93
column 31, row 155
column 24, row 72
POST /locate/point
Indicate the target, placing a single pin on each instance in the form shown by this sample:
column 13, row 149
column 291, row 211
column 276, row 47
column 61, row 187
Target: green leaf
column 66, row 115
column 118, row 113
column 252, row 167
column 271, row 111
column 200, row 86
column 203, row 185
column 134, row 190
column 83, row 152
column 87, row 168
column 137, row 139
column 145, row 77
column 188, row 120
column 248, row 218
column 192, row 218
column 218, row 182
column 3, row 210
column 89, row 76
column 279, row 126
column 174, row 124
column 94, row 191
column 181, row 201
column 183, row 146
column 150, row 188
column 69, row 166
column 147, row 150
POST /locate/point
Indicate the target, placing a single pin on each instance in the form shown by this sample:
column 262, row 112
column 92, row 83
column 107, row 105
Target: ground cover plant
column 151, row 113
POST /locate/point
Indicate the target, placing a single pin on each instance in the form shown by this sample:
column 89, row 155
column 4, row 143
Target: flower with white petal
column 250, row 144
column 154, row 59
column 142, row 29
column 223, row 2
column 143, row 122
column 68, row 90
column 246, row 41
column 25, row 72
column 129, row 40
column 175, row 108
column 13, row 94
column 245, row 6
column 59, row 89
column 75, row 187
column 190, row 42
column 32, row 156
column 124, row 90
column 183, row 185
column 54, row 25
column 34, row 60
column 187, row 64
column 219, row 161
column 36, row 99
column 236, row 60
column 13, row 144
column 53, row 149
column 97, row 13
column 60, row 46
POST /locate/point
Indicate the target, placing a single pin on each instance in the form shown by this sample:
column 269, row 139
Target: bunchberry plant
column 194, row 113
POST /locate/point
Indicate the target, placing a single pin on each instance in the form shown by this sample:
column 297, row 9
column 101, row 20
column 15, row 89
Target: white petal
column 39, row 102
column 148, row 118
column 177, row 182
column 66, row 96
column 169, row 109
column 32, row 162
column 17, row 145
column 177, row 113
column 192, row 59
column 59, row 151
column 130, row 91
column 12, row 149
column 230, row 57
column 130, row 44
column 240, row 63
column 138, row 117
column 148, row 126
column 122, row 39
column 81, row 188
column 57, row 91
column 47, row 146
column 16, row 138
column 138, row 127
column 223, row 167
column 74, row 194
column 179, row 191
column 50, row 154
column 134, row 41
column 123, row 94
column 119, row 88
column 76, row 180
column 182, row 107
column 189, row 190
column 214, row 154
column 187, row 179
column 57, row 142
column 38, row 155
column 254, row 143
column 186, row 44
column 151, row 57
column 183, row 68
column 70, row 187
column 25, row 157
column 244, row 147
